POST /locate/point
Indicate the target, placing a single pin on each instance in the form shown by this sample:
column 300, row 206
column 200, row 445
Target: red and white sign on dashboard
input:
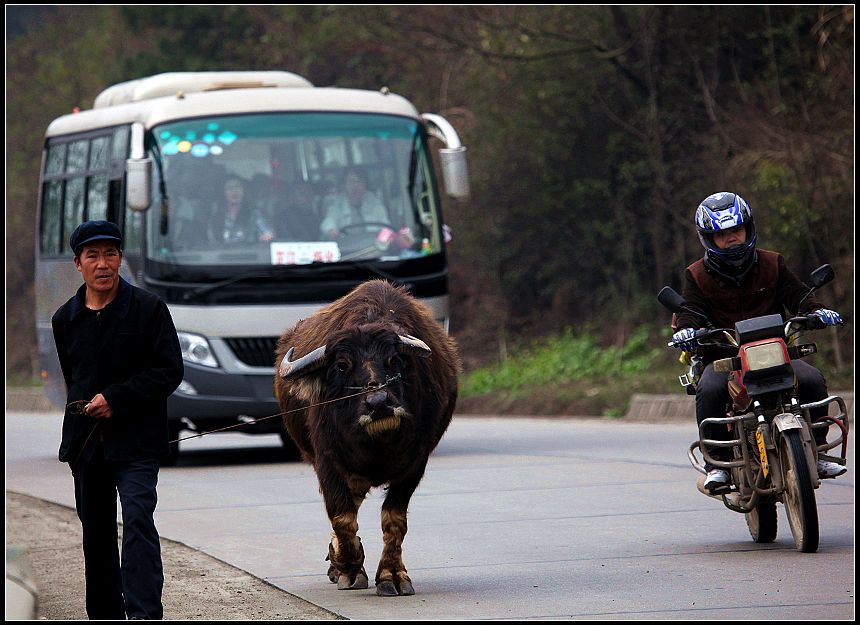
column 304, row 253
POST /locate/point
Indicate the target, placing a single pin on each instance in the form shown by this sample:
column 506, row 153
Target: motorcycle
column 775, row 453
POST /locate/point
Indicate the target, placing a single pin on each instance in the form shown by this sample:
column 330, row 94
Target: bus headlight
column 765, row 355
column 195, row 349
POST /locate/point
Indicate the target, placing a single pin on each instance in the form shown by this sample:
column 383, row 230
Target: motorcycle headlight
column 765, row 355
column 195, row 349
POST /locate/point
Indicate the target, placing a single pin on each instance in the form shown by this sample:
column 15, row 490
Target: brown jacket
column 771, row 288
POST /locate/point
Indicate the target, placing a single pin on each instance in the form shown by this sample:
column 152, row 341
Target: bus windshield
column 290, row 189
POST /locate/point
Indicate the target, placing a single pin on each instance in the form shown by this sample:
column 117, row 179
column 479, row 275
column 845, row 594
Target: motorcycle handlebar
column 808, row 322
column 725, row 337
column 703, row 336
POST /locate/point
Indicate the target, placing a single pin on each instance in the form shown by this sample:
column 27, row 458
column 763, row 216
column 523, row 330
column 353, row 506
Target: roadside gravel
column 196, row 586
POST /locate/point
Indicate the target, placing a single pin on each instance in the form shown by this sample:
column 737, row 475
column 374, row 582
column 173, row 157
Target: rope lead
column 363, row 390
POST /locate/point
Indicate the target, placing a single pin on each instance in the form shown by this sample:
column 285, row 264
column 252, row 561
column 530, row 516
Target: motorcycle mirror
column 671, row 299
column 821, row 276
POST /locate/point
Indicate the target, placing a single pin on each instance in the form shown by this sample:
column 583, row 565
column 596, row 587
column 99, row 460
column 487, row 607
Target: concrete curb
column 24, row 399
column 678, row 407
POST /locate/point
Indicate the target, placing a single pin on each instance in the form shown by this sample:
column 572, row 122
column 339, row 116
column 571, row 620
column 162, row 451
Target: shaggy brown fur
column 382, row 436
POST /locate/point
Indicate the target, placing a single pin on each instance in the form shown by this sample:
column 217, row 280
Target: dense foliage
column 593, row 132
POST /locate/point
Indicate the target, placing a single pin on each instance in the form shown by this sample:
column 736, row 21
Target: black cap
column 90, row 231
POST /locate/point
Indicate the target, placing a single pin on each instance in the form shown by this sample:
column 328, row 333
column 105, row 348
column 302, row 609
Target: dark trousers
column 131, row 586
column 712, row 399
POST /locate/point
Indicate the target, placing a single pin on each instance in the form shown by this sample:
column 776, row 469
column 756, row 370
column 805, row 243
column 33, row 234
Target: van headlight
column 765, row 356
column 195, row 349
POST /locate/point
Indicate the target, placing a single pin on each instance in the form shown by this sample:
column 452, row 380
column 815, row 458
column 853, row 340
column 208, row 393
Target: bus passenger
column 234, row 221
column 356, row 205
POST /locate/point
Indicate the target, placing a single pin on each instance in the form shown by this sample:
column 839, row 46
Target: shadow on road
column 230, row 456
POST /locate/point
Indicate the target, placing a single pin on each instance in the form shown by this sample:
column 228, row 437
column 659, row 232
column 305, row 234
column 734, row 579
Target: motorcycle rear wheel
column 761, row 522
column 799, row 495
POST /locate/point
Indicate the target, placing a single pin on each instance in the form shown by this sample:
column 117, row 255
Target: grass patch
column 563, row 359
column 570, row 374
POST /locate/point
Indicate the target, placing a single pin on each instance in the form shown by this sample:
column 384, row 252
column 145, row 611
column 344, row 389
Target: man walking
column 121, row 360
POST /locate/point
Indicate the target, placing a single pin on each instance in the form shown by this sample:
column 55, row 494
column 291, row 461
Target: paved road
column 515, row 519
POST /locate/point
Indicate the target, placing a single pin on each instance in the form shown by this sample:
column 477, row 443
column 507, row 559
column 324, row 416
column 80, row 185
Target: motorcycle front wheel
column 799, row 495
column 761, row 522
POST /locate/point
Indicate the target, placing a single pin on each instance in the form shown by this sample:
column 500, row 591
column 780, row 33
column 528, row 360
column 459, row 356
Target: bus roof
column 172, row 83
column 183, row 95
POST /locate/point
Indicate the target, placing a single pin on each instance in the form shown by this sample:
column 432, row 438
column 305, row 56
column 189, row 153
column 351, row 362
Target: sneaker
column 830, row 469
column 716, row 478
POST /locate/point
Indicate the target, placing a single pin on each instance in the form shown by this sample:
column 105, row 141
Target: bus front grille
column 255, row 351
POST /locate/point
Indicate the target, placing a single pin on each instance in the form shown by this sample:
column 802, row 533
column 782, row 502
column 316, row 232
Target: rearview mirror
column 452, row 157
column 671, row 299
column 138, row 168
column 821, row 276
column 455, row 173
column 138, row 183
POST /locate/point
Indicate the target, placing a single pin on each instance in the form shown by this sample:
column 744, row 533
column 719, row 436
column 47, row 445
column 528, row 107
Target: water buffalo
column 381, row 348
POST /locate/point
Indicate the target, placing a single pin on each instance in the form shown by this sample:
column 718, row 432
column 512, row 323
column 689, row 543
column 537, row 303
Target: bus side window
column 52, row 210
column 97, row 184
column 52, row 197
column 56, row 161
column 133, row 231
column 73, row 213
column 74, row 197
column 82, row 180
column 131, row 222
column 97, row 197
column 77, row 161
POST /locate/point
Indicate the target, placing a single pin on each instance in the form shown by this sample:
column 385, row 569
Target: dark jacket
column 128, row 352
column 770, row 289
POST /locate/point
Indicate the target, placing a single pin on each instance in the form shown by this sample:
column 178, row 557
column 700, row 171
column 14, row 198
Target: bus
column 155, row 155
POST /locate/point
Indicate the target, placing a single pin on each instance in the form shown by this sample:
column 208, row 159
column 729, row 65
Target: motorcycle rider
column 735, row 281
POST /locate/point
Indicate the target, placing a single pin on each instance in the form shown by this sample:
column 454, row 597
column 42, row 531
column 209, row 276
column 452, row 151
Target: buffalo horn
column 413, row 346
column 302, row 366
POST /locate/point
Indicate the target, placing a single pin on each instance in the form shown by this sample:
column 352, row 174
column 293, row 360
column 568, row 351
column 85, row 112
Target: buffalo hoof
column 388, row 589
column 359, row 583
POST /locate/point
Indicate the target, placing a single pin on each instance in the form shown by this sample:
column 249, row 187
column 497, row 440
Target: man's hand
column 98, row 408
column 684, row 340
column 829, row 317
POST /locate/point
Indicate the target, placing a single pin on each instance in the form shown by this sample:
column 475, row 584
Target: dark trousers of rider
column 129, row 587
column 712, row 399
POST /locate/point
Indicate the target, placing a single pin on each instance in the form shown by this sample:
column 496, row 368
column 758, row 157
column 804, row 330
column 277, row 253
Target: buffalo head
column 371, row 364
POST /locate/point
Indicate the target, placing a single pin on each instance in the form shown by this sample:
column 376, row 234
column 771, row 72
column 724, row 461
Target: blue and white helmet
column 722, row 211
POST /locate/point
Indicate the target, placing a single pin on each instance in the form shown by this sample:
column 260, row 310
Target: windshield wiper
column 320, row 268
column 256, row 273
